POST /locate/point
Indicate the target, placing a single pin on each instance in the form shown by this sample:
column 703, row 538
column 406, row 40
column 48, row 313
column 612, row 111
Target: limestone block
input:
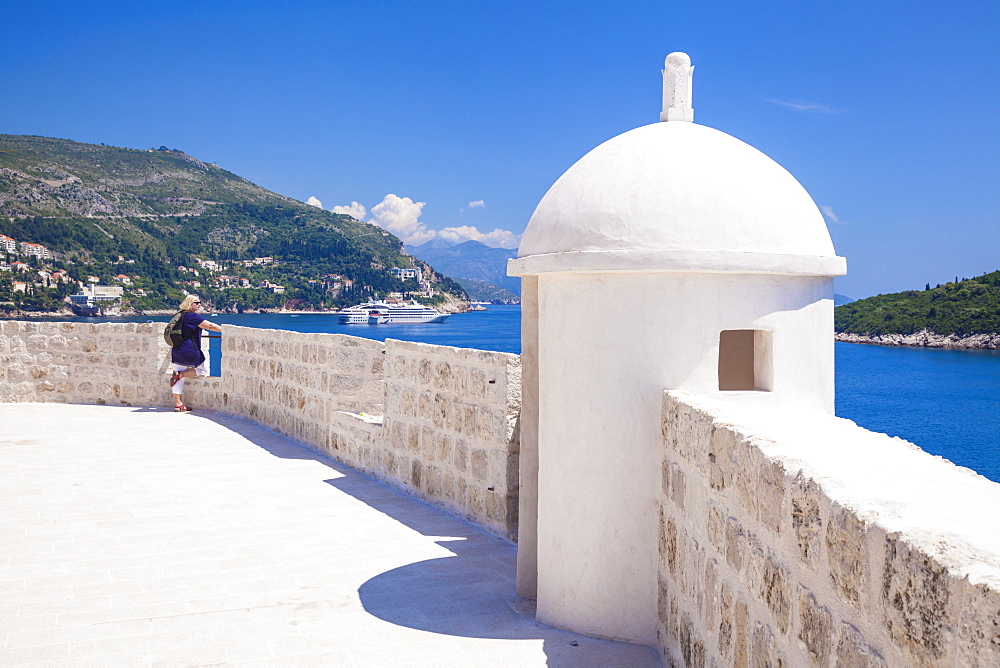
column 775, row 589
column 477, row 383
column 662, row 605
column 432, row 480
column 806, row 521
column 478, row 464
column 716, row 527
column 476, row 504
column 448, row 485
column 407, row 401
column 442, row 411
column 741, row 644
column 688, row 432
column 443, row 449
column 764, row 652
column 726, row 620
column 691, row 646
column 770, row 498
column 424, row 372
column 734, row 544
column 459, row 380
column 691, row 581
column 845, row 543
column 442, row 376
column 38, row 342
column 915, row 596
column 461, row 455
column 979, row 633
column 853, row 651
column 669, row 547
column 815, row 628
column 678, row 486
column 425, row 409
column 428, row 444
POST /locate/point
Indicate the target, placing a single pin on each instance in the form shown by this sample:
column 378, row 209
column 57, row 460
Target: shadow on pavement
column 470, row 594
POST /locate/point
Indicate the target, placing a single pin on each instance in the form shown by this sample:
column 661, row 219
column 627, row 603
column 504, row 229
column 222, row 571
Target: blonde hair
column 188, row 301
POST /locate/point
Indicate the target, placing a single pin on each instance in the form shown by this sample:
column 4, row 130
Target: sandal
column 181, row 409
column 174, row 378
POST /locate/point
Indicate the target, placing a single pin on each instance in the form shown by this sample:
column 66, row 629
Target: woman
column 188, row 360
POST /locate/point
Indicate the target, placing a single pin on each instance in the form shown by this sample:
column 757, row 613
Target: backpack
column 173, row 333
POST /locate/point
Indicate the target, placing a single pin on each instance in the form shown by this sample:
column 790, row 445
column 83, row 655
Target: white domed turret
column 672, row 257
column 677, row 187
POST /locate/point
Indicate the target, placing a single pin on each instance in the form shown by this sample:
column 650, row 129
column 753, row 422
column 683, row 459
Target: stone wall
column 437, row 422
column 294, row 383
column 451, row 417
column 806, row 540
column 84, row 363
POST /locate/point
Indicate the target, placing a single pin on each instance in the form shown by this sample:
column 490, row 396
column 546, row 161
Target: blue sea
column 945, row 401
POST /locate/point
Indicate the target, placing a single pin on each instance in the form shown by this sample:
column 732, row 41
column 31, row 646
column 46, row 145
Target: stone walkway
column 136, row 537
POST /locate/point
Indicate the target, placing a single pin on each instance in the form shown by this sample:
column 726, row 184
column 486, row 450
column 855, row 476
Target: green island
column 963, row 308
column 159, row 223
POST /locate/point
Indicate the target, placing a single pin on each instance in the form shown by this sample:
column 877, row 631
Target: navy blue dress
column 189, row 353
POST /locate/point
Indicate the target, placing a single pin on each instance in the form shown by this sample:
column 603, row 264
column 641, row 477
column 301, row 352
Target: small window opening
column 745, row 360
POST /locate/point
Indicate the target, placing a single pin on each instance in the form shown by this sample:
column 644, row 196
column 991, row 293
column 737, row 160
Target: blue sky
column 886, row 112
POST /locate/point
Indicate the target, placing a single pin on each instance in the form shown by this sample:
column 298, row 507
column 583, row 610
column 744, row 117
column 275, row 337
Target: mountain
column 470, row 259
column 840, row 300
column 969, row 306
column 487, row 292
column 106, row 211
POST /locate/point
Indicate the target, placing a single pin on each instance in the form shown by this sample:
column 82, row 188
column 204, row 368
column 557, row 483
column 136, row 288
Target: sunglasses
column 195, row 302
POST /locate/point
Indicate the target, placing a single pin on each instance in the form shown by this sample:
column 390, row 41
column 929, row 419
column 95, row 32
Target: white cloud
column 401, row 216
column 828, row 212
column 312, row 201
column 802, row 105
column 354, row 210
column 478, row 204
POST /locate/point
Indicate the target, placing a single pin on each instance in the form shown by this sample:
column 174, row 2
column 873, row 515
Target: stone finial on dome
column 677, row 74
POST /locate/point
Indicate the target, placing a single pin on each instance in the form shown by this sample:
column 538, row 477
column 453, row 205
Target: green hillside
column 161, row 209
column 487, row 292
column 969, row 306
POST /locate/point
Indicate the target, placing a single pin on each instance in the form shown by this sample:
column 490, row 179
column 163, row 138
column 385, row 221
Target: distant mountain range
column 840, row 300
column 469, row 260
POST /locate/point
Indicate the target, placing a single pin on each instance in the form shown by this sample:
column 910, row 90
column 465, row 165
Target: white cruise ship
column 381, row 313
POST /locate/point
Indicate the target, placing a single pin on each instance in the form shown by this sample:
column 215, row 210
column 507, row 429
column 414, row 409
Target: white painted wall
column 608, row 345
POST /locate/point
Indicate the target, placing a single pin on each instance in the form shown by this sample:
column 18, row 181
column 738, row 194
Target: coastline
column 925, row 338
column 450, row 306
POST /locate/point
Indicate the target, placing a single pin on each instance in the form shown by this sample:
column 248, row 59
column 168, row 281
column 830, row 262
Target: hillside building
column 93, row 295
column 37, row 250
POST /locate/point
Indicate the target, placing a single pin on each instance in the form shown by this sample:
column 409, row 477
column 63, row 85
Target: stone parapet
column 294, row 382
column 451, row 417
column 805, row 540
column 84, row 363
column 437, row 422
